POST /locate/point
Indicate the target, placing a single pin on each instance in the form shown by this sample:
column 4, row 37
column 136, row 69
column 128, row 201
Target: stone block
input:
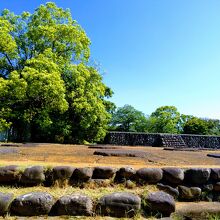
column 197, row 176
column 33, row 176
column 168, row 189
column 74, row 205
column 103, row 173
column 173, row 175
column 5, row 202
column 150, row 175
column 32, row 204
column 120, row 204
column 81, row 175
column 160, row 203
column 189, row 193
column 9, row 175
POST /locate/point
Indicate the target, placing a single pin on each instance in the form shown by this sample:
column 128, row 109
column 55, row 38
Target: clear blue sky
column 152, row 52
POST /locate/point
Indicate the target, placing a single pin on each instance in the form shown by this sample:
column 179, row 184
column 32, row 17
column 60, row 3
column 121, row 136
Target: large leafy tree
column 127, row 118
column 165, row 119
column 47, row 88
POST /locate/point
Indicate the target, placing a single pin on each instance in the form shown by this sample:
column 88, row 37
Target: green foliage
column 183, row 120
column 47, row 88
column 213, row 216
column 127, row 118
column 4, row 125
column 87, row 111
column 201, row 126
column 164, row 119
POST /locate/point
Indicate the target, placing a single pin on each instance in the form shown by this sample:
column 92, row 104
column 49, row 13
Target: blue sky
column 152, row 52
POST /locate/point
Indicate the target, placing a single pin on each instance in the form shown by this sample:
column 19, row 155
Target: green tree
column 182, row 121
column 164, row 119
column 214, row 126
column 201, row 126
column 127, row 118
column 196, row 126
column 47, row 88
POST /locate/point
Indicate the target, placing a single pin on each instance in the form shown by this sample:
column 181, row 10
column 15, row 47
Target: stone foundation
column 146, row 139
column 174, row 184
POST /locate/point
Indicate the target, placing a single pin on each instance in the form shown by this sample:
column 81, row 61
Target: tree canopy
column 164, row 119
column 202, row 126
column 48, row 90
column 127, row 118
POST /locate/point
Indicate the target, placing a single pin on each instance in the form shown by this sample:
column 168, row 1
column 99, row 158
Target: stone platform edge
column 173, row 184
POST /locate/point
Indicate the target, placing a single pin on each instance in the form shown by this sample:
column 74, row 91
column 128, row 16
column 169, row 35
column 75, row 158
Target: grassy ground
column 90, row 190
column 82, row 156
column 75, row 218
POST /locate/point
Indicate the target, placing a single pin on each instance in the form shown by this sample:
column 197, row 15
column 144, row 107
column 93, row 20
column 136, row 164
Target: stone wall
column 132, row 139
column 201, row 141
column 173, row 184
column 146, row 139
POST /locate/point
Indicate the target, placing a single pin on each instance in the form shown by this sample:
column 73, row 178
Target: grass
column 90, row 190
column 76, row 218
column 214, row 217
column 204, row 216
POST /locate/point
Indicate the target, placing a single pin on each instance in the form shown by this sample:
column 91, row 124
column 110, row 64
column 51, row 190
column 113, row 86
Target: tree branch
column 7, row 57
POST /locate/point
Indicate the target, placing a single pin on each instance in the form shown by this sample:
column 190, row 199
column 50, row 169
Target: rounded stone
column 9, row 174
column 32, row 204
column 173, row 175
column 81, row 175
column 124, row 173
column 150, row 175
column 5, row 202
column 160, row 202
column 33, row 175
column 197, row 176
column 103, row 173
column 168, row 189
column 75, row 205
column 62, row 172
column 215, row 174
column 189, row 193
column 120, row 204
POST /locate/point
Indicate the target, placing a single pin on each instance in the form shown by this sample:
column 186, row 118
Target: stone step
column 197, row 210
column 172, row 140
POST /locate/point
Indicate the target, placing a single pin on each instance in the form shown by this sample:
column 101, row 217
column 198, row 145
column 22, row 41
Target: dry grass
column 89, row 190
column 82, row 156
column 75, row 218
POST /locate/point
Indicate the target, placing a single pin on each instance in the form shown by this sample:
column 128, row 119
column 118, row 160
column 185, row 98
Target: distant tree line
column 165, row 119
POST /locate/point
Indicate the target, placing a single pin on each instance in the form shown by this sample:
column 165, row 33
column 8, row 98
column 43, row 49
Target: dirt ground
column 82, row 155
